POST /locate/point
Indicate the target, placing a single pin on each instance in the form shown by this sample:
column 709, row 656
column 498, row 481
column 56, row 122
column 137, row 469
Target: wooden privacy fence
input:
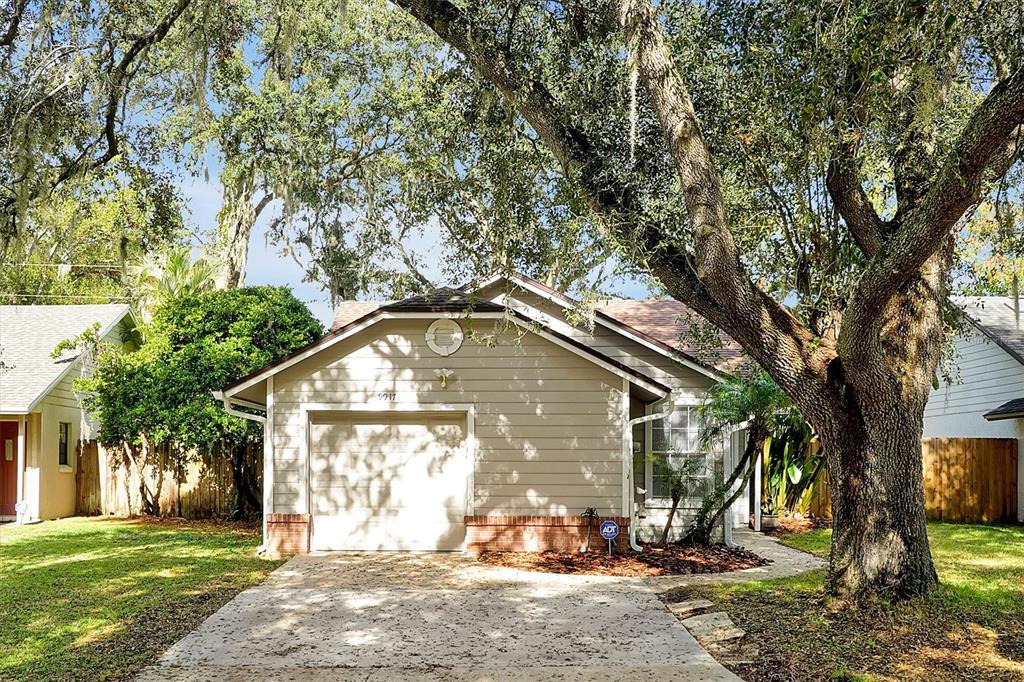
column 108, row 483
column 965, row 479
column 970, row 479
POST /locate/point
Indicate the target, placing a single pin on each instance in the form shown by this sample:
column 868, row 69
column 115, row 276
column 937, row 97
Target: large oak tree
column 823, row 153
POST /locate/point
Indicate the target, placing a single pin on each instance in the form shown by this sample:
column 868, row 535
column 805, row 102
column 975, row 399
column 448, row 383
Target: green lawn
column 98, row 599
column 970, row 628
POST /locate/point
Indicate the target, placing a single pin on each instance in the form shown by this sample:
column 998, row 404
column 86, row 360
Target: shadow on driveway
column 384, row 616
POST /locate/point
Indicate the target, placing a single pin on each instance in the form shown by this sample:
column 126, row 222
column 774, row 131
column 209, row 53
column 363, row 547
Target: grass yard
column 98, row 599
column 970, row 628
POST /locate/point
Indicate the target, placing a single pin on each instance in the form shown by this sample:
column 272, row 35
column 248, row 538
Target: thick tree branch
column 844, row 186
column 119, row 75
column 717, row 288
column 714, row 246
column 11, row 32
column 985, row 149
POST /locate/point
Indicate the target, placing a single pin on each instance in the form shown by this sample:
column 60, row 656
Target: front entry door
column 8, row 467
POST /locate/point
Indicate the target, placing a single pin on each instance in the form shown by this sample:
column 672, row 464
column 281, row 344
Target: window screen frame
column 690, row 404
column 64, row 444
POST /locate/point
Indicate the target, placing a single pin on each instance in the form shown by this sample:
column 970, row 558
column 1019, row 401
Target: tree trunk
column 880, row 538
column 663, row 542
column 714, row 505
column 246, row 503
column 237, row 218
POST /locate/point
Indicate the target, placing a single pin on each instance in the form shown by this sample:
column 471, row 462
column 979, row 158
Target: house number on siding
column 387, row 397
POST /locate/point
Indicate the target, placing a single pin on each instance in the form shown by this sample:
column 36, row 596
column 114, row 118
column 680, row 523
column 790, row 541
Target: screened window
column 62, row 447
column 675, row 438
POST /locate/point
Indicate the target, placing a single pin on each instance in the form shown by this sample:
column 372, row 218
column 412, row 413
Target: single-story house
column 480, row 418
column 986, row 399
column 41, row 418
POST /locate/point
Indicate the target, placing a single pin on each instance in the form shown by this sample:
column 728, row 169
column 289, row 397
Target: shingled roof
column 28, row 335
column 996, row 317
column 671, row 323
column 665, row 321
column 444, row 299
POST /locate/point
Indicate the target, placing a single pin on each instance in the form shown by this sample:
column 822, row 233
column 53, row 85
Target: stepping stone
column 714, row 627
column 685, row 609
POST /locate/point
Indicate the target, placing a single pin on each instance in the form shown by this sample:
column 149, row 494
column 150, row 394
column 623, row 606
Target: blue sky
column 267, row 265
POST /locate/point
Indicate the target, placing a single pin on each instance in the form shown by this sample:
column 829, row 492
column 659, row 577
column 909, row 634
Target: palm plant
column 166, row 276
column 681, row 478
column 759, row 403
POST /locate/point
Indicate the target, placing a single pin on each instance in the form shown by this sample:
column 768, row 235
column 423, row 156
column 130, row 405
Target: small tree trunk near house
column 676, row 497
column 716, row 502
column 247, row 503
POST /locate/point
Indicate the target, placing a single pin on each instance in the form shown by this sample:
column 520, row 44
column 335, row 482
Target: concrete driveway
column 436, row 617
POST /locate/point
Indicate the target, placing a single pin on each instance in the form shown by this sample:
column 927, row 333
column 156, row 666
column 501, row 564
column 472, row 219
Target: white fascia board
column 617, row 327
column 328, row 341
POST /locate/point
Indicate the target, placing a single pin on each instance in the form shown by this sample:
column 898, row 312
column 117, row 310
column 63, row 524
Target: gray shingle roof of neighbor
column 1009, row 410
column 996, row 318
column 28, row 335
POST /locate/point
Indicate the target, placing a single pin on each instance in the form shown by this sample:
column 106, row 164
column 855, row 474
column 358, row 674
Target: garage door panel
column 370, row 463
column 379, row 497
column 388, row 481
column 357, row 512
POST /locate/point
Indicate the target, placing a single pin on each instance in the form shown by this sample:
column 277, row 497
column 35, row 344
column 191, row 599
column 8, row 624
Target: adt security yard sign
column 609, row 531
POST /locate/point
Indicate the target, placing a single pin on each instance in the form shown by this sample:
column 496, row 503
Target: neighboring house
column 41, row 419
column 486, row 417
column 986, row 399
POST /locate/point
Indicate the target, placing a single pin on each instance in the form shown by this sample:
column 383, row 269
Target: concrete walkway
column 437, row 617
column 785, row 562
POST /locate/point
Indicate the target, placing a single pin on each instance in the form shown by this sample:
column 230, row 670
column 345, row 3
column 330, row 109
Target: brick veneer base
column 287, row 534
column 540, row 533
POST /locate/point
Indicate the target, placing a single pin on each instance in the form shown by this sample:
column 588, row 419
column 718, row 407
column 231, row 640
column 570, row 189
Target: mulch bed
column 798, row 524
column 652, row 561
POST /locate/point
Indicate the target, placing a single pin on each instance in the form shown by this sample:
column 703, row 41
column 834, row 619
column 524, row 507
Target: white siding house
column 989, row 374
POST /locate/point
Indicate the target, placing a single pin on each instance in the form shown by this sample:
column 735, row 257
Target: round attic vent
column 444, row 336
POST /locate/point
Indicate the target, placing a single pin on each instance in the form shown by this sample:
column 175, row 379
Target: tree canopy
column 162, row 393
column 796, row 172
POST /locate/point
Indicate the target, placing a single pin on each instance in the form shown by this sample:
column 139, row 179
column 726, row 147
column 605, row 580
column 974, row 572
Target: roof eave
column 1000, row 416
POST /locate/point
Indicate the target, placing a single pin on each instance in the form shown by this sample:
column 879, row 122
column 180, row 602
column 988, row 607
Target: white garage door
column 392, row 481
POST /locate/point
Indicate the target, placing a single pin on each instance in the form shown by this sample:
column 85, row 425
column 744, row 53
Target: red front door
column 8, row 467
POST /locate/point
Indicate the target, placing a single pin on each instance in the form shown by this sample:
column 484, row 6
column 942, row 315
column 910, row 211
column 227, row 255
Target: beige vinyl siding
column 54, row 484
column 57, row 483
column 688, row 385
column 548, row 423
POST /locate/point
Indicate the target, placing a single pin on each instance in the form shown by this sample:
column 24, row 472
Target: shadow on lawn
column 970, row 627
column 99, row 598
